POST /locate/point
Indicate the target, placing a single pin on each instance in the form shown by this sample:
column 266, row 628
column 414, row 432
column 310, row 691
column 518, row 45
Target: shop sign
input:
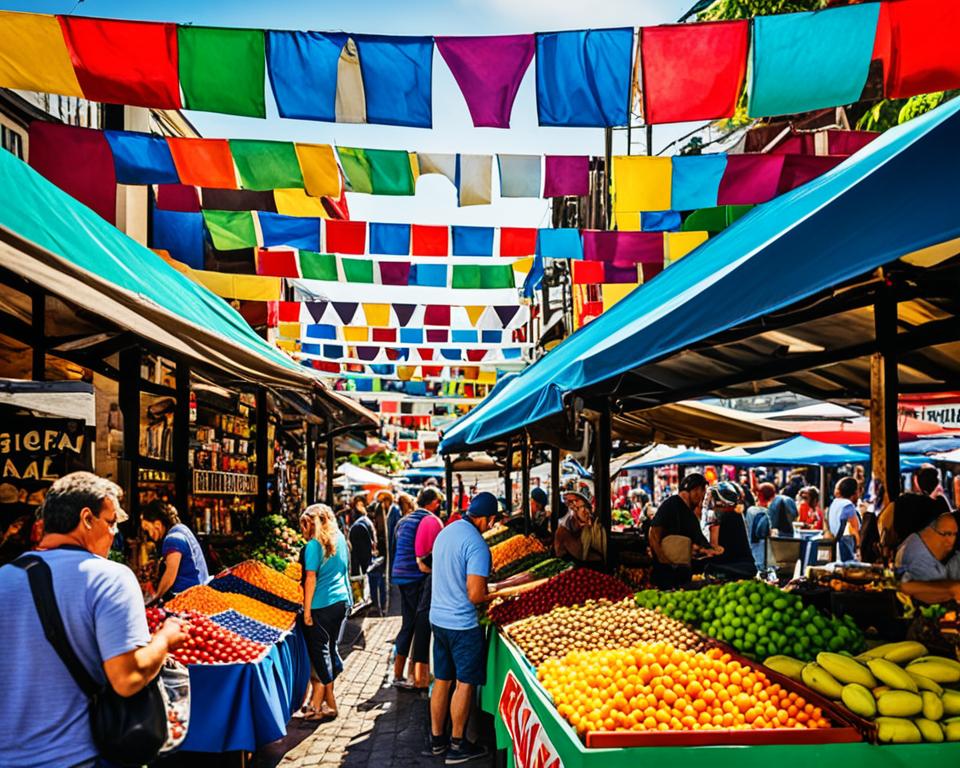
column 946, row 415
column 206, row 483
column 531, row 747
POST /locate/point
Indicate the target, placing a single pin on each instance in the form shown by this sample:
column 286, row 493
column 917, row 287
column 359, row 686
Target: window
column 12, row 141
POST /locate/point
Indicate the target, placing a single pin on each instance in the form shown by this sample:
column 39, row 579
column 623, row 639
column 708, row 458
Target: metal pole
column 885, row 321
column 448, row 483
column 181, row 444
column 554, row 489
column 607, row 173
column 525, row 481
column 263, row 471
column 507, row 479
column 329, row 460
column 649, row 139
column 311, row 489
column 601, row 468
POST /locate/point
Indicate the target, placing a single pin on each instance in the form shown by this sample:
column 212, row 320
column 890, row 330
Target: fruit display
column 519, row 566
column 547, row 568
column 293, row 571
column 208, row 601
column 638, row 578
column 247, row 627
column 277, row 543
column 660, row 688
column 598, row 624
column 567, row 588
column 208, row 642
column 758, row 619
column 903, row 690
column 227, row 582
column 497, row 535
column 514, row 548
column 269, row 580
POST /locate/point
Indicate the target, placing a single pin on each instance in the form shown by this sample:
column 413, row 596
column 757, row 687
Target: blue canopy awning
column 801, row 451
column 685, row 459
column 891, row 199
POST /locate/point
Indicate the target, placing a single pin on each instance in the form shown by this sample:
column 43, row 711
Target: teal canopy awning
column 801, row 451
column 54, row 241
column 895, row 197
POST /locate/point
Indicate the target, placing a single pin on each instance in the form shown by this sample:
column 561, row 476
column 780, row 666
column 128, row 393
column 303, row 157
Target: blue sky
column 435, row 201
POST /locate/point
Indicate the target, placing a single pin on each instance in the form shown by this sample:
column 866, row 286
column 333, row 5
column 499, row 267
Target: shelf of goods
column 580, row 672
column 246, row 656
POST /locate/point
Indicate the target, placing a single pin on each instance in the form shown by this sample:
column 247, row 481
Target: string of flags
column 785, row 63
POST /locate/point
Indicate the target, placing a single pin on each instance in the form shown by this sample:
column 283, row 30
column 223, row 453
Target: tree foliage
column 745, row 9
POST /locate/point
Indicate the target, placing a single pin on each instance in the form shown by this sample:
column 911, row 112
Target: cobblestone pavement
column 378, row 726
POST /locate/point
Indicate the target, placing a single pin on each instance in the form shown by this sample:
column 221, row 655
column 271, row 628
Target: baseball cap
column 539, row 495
column 483, row 505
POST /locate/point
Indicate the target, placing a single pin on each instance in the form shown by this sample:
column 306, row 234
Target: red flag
column 917, row 43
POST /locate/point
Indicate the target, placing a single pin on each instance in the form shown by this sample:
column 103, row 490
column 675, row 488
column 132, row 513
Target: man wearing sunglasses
column 927, row 564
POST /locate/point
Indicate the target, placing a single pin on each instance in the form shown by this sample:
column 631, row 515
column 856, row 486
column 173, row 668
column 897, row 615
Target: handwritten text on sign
column 531, row 747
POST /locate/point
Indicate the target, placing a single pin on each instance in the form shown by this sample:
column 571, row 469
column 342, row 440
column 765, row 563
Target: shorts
column 459, row 654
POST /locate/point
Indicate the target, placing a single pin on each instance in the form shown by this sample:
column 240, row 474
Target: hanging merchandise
column 692, row 71
column 488, row 71
column 800, row 62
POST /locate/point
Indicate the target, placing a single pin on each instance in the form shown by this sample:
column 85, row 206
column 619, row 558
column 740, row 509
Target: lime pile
column 757, row 619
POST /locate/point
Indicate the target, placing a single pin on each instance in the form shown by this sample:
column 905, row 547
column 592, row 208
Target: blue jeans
column 378, row 588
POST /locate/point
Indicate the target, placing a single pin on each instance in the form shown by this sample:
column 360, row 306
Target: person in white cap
column 580, row 537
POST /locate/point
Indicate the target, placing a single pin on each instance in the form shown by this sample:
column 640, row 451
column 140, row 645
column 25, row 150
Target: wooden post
column 311, row 489
column 507, row 479
column 330, row 460
column 884, row 391
column 263, row 471
column 38, row 314
column 448, row 484
column 607, row 174
column 129, row 397
column 181, row 440
column 554, row 489
column 525, row 481
column 601, row 467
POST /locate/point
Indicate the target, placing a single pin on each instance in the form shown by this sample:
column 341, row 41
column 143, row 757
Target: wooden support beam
column 525, row 481
column 601, row 468
column 311, row 489
column 555, row 501
column 263, row 471
column 181, row 440
column 508, row 477
column 884, row 392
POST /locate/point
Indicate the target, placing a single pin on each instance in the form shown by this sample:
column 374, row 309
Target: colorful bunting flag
column 519, row 175
column 428, row 275
column 695, row 181
column 435, row 162
column 124, row 62
column 236, row 200
column 266, row 165
column 318, row 266
column 203, row 162
column 474, row 276
column 222, row 70
column 230, row 230
column 395, row 273
column 179, row 197
column 474, row 179
column 805, row 61
column 345, row 236
column 34, row 55
column 488, row 71
column 377, row 171
column 278, row 264
column 397, row 79
column 377, row 315
column 303, row 72
column 318, row 166
column 799, row 169
column 641, row 183
column 296, row 202
column 472, row 241
column 566, row 175
column 429, row 240
column 390, row 239
column 660, row 221
column 692, row 71
column 559, row 244
column 518, row 241
column 583, row 77
column 750, row 179
column 714, row 219
column 676, row 245
column 357, row 270
column 293, row 231
column 180, row 234
column 141, row 158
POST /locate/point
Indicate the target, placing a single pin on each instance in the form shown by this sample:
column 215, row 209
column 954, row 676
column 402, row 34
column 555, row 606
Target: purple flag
column 367, row 354
column 395, row 272
column 506, row 314
column 345, row 310
column 404, row 312
column 488, row 71
column 566, row 175
column 316, row 310
column 436, row 335
column 623, row 249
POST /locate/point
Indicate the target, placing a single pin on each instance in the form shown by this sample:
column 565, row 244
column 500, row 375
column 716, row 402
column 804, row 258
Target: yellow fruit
column 943, row 659
column 896, row 730
column 951, row 729
column 951, row 703
column 816, row 677
column 880, row 689
column 932, row 705
column 786, row 665
column 899, row 704
column 890, row 674
column 929, row 730
column 859, row 700
column 846, row 669
column 925, row 683
column 902, row 653
column 936, row 669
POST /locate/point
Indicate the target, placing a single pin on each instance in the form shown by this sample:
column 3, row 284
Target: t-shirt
column 912, row 512
column 458, row 552
column 915, row 562
column 782, row 512
column 193, row 568
column 333, row 574
column 44, row 717
column 732, row 536
column 677, row 519
column 405, row 569
column 841, row 511
column 427, row 533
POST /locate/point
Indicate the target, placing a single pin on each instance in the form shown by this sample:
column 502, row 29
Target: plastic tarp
column 893, row 197
column 359, row 476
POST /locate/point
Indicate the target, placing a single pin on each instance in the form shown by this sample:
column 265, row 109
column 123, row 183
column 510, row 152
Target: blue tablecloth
column 243, row 706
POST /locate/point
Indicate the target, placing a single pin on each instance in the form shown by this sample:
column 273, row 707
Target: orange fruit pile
column 294, row 571
column 513, row 549
column 269, row 580
column 660, row 688
column 206, row 600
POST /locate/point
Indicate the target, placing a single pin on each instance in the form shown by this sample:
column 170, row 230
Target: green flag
column 318, row 266
column 222, row 70
column 266, row 165
column 357, row 270
column 356, row 168
column 231, row 230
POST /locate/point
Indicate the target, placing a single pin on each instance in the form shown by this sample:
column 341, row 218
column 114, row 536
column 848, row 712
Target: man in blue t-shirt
column 44, row 716
column 461, row 566
column 844, row 520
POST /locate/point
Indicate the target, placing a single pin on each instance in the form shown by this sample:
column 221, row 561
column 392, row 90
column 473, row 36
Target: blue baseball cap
column 483, row 505
column 539, row 495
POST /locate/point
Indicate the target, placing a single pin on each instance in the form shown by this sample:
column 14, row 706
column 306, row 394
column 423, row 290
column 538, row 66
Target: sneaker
column 464, row 752
column 438, row 746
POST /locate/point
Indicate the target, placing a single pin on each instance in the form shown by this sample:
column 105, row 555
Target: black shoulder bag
column 128, row 731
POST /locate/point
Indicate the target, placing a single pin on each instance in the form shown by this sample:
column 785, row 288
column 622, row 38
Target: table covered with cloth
column 236, row 707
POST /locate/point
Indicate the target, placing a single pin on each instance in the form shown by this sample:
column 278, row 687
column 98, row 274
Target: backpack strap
column 41, row 586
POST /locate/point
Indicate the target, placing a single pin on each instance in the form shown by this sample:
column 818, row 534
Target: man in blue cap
column 461, row 566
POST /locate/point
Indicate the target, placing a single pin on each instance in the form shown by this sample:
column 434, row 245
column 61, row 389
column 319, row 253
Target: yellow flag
column 242, row 287
column 378, row 315
column 641, row 183
column 288, row 345
column 355, row 333
column 523, row 266
column 614, row 292
column 487, row 377
column 289, row 330
column 474, row 313
column 676, row 245
column 34, row 55
column 296, row 202
column 321, row 174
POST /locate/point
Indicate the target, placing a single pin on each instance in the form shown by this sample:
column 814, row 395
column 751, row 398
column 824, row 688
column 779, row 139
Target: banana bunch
column 910, row 695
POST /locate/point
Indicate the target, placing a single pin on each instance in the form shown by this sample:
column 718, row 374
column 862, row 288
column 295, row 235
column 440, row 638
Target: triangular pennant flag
column 404, row 312
column 474, row 313
column 316, row 310
column 346, row 310
column 506, row 314
column 425, row 353
column 476, row 355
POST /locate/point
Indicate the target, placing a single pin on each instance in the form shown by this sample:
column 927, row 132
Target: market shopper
column 912, row 511
column 539, row 516
column 461, row 564
column 364, row 549
column 404, row 506
column 44, row 715
column 757, row 520
column 809, row 509
column 843, row 519
column 326, row 599
column 580, row 538
column 928, row 566
column 183, row 562
column 675, row 534
column 430, row 500
column 729, row 532
column 782, row 511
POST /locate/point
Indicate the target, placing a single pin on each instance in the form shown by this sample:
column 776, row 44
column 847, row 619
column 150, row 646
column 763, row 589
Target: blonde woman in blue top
column 326, row 600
